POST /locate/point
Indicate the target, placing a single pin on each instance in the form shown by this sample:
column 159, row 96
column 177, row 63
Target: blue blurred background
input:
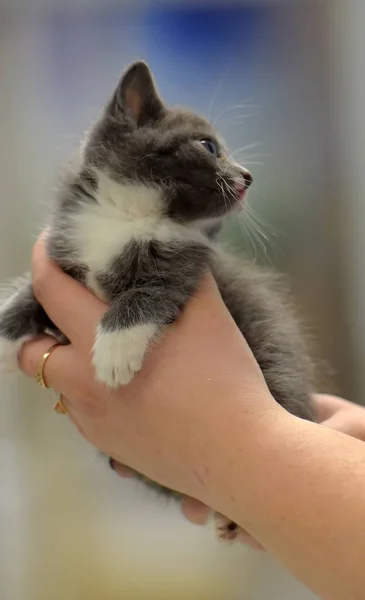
column 283, row 82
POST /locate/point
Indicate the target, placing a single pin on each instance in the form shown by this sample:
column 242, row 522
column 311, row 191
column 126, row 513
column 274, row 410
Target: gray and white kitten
column 134, row 221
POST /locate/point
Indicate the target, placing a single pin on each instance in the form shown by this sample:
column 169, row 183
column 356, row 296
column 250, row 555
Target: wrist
column 237, row 445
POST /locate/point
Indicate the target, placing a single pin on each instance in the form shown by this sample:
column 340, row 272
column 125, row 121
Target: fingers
column 325, row 406
column 193, row 510
column 196, row 512
column 55, row 366
column 340, row 415
column 351, row 422
column 69, row 305
column 120, row 469
column 248, row 540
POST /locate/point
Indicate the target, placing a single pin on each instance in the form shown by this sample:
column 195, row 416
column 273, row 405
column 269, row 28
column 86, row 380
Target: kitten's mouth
column 239, row 193
column 240, row 190
column 241, row 186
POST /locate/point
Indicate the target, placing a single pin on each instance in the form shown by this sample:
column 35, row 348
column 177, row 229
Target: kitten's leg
column 21, row 318
column 167, row 275
column 128, row 327
column 226, row 529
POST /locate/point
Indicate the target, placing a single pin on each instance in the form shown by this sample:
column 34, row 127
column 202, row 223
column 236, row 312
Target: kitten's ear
column 137, row 96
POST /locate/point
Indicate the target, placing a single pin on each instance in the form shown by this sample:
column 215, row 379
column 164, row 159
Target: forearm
column 299, row 489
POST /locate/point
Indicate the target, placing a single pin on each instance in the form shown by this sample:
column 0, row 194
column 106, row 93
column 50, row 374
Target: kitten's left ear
column 136, row 94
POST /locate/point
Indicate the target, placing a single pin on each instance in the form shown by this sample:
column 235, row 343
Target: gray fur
column 138, row 140
column 23, row 316
column 142, row 286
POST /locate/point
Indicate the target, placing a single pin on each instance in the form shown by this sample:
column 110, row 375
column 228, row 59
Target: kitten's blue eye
column 210, row 147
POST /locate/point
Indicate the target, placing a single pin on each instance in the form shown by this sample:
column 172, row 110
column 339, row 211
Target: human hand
column 341, row 415
column 205, row 327
column 164, row 424
column 331, row 411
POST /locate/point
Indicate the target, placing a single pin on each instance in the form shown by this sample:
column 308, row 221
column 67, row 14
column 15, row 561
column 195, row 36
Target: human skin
column 331, row 411
column 200, row 419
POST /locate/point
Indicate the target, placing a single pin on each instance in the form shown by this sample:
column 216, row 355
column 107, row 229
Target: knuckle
column 40, row 272
column 27, row 360
column 39, row 280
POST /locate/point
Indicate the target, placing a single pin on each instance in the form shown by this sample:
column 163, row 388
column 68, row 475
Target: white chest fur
column 122, row 213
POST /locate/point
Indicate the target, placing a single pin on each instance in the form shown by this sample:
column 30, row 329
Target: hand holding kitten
column 137, row 425
column 166, row 422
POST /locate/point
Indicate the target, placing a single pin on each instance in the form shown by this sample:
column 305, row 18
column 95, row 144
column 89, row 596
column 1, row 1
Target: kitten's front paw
column 118, row 355
column 226, row 529
column 9, row 353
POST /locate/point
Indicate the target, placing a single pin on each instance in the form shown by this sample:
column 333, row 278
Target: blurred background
column 283, row 82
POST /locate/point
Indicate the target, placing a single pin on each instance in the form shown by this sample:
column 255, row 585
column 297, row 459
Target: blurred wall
column 346, row 52
column 283, row 80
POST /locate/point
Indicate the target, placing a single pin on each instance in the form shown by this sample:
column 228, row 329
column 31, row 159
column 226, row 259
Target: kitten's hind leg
column 228, row 531
column 21, row 318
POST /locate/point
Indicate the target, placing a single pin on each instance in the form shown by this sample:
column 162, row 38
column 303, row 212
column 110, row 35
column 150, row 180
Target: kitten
column 135, row 221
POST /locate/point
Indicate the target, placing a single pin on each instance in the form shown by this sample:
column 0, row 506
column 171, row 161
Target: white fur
column 9, row 353
column 118, row 356
column 124, row 212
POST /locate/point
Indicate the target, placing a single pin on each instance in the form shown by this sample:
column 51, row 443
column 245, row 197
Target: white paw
column 226, row 529
column 118, row 355
column 9, row 353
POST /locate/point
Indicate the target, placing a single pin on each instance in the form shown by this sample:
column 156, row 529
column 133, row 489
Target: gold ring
column 60, row 408
column 39, row 374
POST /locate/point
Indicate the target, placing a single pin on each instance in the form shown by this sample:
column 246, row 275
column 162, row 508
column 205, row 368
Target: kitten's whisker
column 263, row 223
column 265, row 239
column 242, row 119
column 230, row 192
column 223, row 193
column 257, row 227
column 229, row 109
column 255, row 190
column 217, row 90
column 256, row 221
column 244, row 158
column 247, row 147
column 257, row 238
column 247, row 232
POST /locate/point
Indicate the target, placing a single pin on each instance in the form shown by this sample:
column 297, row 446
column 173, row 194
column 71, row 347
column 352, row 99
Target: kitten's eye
column 210, row 147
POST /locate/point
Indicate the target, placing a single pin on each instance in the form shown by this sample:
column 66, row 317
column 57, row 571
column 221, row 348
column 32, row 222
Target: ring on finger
column 39, row 376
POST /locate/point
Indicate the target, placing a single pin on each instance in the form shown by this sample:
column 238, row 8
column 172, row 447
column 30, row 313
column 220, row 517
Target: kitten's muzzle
column 247, row 178
column 241, row 186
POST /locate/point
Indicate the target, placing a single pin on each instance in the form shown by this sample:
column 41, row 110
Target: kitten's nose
column 247, row 177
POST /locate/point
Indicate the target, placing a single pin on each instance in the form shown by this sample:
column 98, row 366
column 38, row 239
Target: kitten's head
column 138, row 140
